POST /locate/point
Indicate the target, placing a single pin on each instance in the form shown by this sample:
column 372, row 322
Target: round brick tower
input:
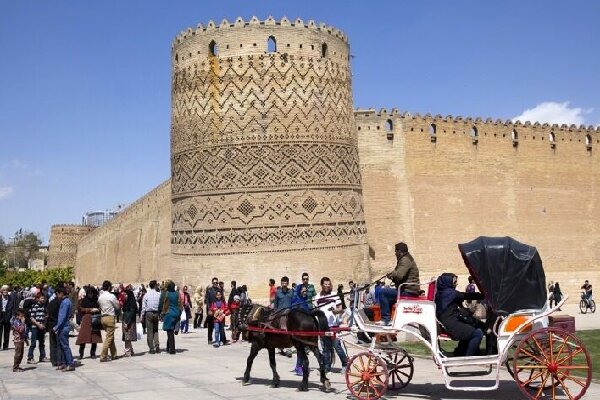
column 264, row 156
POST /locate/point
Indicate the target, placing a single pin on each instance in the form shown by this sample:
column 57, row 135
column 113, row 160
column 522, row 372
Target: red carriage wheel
column 551, row 363
column 366, row 376
column 400, row 369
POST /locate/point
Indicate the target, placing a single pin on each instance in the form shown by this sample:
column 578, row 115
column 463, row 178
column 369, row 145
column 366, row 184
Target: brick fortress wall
column 436, row 181
column 134, row 246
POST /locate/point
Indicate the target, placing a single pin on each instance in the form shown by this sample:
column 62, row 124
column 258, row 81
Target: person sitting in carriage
column 406, row 272
column 456, row 319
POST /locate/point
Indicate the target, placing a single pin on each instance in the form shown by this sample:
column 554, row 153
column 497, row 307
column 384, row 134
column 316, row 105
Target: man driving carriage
column 407, row 273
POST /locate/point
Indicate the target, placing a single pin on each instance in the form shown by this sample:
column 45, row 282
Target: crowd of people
column 93, row 313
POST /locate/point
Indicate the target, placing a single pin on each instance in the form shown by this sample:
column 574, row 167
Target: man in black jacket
column 52, row 313
column 7, row 308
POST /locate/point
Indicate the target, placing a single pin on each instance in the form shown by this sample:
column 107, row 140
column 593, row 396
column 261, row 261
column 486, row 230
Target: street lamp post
column 14, row 239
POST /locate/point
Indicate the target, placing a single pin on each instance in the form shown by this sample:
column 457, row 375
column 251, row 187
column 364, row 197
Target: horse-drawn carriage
column 545, row 361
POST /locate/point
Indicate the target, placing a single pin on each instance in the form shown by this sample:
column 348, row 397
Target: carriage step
column 472, row 360
column 465, row 374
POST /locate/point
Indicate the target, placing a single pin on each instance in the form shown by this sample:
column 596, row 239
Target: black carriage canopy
column 508, row 273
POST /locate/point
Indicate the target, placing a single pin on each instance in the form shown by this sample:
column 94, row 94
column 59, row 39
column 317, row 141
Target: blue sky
column 85, row 86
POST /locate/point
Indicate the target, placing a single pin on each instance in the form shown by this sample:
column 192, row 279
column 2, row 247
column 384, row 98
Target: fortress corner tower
column 265, row 177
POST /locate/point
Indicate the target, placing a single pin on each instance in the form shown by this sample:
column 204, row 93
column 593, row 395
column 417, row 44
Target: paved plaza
column 202, row 372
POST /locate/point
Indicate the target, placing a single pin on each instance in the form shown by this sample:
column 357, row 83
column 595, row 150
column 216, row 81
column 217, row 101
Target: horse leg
column 319, row 356
column 302, row 357
column 253, row 352
column 275, row 382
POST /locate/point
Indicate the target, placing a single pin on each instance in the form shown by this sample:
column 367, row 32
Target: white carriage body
column 415, row 315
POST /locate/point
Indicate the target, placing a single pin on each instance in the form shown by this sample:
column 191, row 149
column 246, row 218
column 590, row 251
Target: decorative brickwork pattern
column 264, row 154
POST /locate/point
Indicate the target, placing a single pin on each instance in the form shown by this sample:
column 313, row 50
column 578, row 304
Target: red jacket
column 220, row 312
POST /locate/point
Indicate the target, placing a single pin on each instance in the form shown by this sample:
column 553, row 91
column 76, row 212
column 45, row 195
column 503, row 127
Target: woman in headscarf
column 170, row 305
column 129, row 320
column 87, row 334
column 458, row 320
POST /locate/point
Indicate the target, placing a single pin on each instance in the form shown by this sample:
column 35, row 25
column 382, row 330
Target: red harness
column 332, row 332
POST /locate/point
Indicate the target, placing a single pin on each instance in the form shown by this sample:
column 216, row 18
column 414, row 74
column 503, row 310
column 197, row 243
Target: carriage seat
column 428, row 295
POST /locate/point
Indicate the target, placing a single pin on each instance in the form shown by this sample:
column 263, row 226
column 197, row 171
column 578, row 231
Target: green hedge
column 30, row 277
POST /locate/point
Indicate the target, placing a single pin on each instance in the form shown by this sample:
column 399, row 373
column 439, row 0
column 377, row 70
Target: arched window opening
column 515, row 137
column 474, row 135
column 433, row 133
column 324, row 50
column 271, row 45
column 176, row 57
column 552, row 139
column 389, row 125
column 213, row 48
column 588, row 142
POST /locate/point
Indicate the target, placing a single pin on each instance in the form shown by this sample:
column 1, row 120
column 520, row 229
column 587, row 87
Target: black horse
column 296, row 320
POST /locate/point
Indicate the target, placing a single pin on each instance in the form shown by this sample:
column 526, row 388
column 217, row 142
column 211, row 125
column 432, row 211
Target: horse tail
column 322, row 323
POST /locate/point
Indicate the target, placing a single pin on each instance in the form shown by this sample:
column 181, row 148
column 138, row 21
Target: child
column 219, row 310
column 19, row 337
column 235, row 314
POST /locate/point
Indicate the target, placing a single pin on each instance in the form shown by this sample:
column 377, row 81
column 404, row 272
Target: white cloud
column 5, row 191
column 554, row 113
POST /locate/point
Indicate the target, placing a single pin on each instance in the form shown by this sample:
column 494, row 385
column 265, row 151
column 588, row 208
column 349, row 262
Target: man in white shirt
column 150, row 314
column 109, row 306
column 331, row 305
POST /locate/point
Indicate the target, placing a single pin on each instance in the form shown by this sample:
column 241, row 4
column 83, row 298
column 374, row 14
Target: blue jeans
column 474, row 342
column 63, row 343
column 327, row 342
column 184, row 326
column 217, row 334
column 37, row 336
column 387, row 297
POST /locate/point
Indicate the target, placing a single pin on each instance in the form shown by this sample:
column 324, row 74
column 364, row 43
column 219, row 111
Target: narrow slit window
column 324, row 50
column 213, row 48
column 271, row 45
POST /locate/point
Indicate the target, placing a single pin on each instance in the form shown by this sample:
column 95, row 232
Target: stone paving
column 203, row 372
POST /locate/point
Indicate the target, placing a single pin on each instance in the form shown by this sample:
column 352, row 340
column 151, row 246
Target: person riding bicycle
column 587, row 295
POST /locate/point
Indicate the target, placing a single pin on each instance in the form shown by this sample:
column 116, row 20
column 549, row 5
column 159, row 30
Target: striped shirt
column 150, row 301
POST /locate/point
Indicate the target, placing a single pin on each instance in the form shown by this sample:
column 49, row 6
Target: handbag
column 97, row 322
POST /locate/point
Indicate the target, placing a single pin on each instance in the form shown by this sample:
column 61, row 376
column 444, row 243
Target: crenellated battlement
column 255, row 22
column 241, row 38
column 475, row 128
column 383, row 112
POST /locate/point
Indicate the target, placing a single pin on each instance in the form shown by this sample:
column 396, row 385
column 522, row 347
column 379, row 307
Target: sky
column 85, row 86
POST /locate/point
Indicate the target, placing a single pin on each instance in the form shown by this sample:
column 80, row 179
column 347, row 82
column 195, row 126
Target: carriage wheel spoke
column 541, row 361
column 541, row 389
column 362, row 363
column 572, row 354
column 571, row 378
column 540, row 349
column 565, row 388
column 531, row 379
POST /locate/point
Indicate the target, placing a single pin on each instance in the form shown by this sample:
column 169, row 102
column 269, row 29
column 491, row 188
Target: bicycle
column 586, row 303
